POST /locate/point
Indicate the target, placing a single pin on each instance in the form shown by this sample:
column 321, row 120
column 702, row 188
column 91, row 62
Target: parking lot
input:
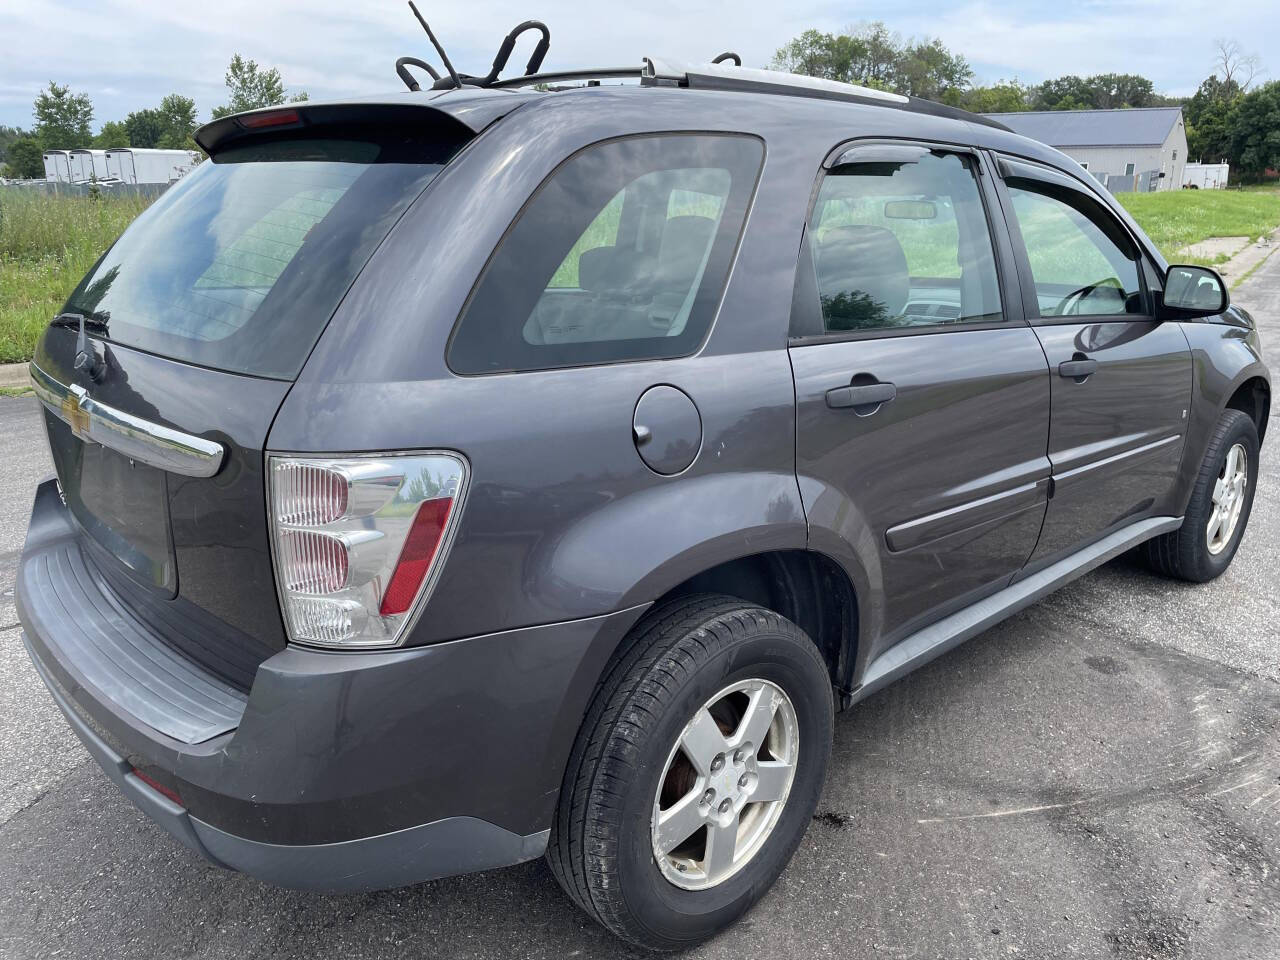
column 1097, row 777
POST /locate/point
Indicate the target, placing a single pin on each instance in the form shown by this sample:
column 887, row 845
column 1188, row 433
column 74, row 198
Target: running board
column 949, row 632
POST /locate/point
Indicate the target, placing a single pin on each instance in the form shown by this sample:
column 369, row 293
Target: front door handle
column 1077, row 369
column 867, row 395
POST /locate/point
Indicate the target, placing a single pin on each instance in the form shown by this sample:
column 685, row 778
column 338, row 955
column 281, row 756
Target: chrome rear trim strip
column 151, row 443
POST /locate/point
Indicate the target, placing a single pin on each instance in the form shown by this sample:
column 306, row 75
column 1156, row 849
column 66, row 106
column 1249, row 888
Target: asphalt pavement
column 1097, row 777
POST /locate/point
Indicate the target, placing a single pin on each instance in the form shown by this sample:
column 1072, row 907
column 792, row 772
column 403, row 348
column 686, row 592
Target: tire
column 1185, row 554
column 602, row 845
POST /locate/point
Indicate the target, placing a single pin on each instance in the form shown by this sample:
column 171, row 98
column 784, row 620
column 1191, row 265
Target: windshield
column 241, row 263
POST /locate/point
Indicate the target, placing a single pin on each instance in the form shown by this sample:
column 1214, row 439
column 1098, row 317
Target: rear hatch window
column 239, row 266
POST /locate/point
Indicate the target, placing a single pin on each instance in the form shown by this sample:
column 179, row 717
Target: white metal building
column 1148, row 145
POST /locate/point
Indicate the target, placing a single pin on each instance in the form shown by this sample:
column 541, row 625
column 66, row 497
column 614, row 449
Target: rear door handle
column 1077, row 368
column 868, row 395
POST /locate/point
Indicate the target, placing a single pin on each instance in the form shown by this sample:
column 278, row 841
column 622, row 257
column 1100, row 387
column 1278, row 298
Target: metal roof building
column 1130, row 143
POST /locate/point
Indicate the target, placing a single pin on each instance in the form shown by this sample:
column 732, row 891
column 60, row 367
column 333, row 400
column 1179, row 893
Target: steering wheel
column 1070, row 305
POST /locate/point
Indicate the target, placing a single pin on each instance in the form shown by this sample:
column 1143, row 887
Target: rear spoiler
column 459, row 114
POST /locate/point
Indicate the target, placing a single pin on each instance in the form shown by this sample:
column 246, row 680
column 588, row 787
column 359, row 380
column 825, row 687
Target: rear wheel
column 1219, row 508
column 697, row 770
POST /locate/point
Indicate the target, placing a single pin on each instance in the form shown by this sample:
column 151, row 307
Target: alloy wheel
column 1228, row 499
column 725, row 784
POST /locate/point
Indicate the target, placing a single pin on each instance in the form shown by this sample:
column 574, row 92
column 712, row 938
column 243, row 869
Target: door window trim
column 1017, row 168
column 1002, row 250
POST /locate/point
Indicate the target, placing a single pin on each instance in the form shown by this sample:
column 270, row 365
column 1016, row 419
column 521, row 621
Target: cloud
column 127, row 54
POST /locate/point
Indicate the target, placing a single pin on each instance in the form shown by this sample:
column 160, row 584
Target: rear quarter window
column 621, row 254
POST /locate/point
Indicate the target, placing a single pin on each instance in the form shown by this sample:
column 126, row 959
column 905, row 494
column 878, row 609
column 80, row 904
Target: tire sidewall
column 1240, row 431
column 672, row 914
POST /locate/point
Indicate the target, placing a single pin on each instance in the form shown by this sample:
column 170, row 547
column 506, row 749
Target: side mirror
column 1191, row 291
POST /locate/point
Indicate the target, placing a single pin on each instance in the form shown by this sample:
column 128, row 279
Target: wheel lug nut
column 709, row 796
column 726, row 806
column 718, row 763
column 739, row 755
column 743, row 780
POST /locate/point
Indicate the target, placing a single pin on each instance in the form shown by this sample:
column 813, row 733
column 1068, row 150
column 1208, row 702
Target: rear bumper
column 426, row 852
column 344, row 771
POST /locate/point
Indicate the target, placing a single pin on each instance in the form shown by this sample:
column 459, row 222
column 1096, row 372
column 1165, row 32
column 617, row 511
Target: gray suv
column 460, row 477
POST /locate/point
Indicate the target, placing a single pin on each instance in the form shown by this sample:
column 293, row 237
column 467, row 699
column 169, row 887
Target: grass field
column 1177, row 218
column 47, row 243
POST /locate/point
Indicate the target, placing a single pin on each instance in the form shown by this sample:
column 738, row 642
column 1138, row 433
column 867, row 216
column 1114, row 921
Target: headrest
column 600, row 270
column 685, row 241
column 864, row 262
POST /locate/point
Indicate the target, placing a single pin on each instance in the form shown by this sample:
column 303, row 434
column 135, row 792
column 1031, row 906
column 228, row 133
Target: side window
column 903, row 243
column 1081, row 260
column 622, row 254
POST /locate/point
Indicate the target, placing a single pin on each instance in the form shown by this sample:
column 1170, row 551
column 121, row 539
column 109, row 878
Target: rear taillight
column 358, row 542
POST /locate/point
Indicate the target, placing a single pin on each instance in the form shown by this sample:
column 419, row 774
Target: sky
column 127, row 54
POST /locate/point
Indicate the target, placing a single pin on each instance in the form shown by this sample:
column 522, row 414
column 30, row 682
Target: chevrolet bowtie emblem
column 74, row 413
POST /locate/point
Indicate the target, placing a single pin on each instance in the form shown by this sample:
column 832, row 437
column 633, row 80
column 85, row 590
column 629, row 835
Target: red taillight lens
column 416, row 556
column 273, row 118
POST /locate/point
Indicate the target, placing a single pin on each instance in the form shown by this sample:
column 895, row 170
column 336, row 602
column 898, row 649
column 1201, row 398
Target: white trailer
column 140, row 165
column 1206, row 176
column 57, row 166
column 88, row 165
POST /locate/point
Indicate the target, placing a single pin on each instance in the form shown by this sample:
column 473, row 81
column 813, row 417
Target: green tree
column 113, row 134
column 1114, row 90
column 817, row 54
column 1003, row 96
column 62, row 118
column 874, row 56
column 1208, row 116
column 931, row 71
column 145, row 127
column 1103, row 91
column 7, row 136
column 252, row 87
column 179, row 115
column 25, row 159
column 1255, row 131
column 168, row 126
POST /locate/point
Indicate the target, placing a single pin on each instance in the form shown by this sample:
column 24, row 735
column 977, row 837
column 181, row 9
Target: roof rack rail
column 561, row 76
column 714, row 76
column 717, row 76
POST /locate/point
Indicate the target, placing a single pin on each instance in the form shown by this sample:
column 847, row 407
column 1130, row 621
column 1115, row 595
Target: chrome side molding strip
column 153, row 444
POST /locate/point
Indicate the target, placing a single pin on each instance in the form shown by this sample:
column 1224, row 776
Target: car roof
column 475, row 108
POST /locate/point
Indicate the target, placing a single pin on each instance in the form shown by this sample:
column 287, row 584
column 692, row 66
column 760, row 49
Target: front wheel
column 1219, row 508
column 697, row 770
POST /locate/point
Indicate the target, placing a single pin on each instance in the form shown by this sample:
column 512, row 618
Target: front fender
column 1225, row 355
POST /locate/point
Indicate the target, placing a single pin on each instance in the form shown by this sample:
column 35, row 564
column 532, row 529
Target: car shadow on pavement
column 1059, row 786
